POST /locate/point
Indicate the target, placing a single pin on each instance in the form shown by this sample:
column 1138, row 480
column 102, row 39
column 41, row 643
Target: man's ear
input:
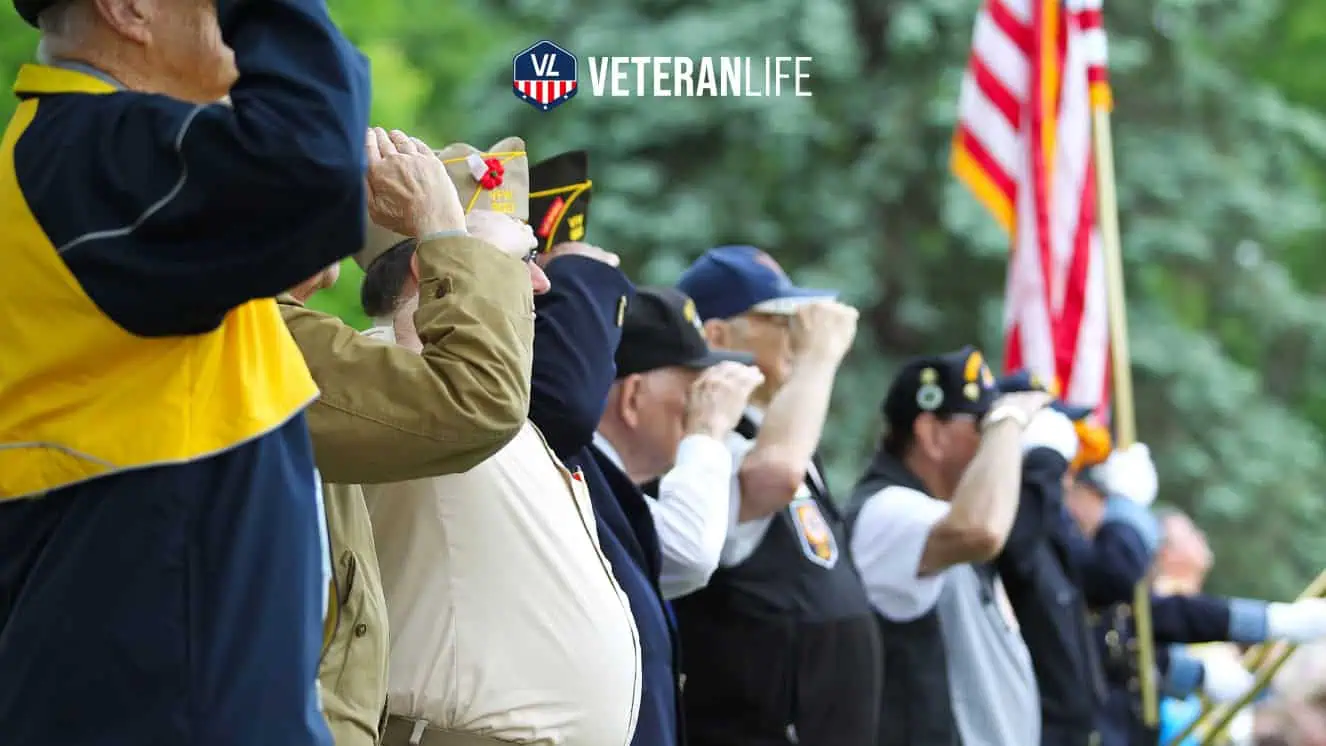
column 929, row 436
column 717, row 333
column 628, row 399
column 131, row 19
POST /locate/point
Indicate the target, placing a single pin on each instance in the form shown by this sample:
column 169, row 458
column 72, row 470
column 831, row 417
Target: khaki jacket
column 387, row 414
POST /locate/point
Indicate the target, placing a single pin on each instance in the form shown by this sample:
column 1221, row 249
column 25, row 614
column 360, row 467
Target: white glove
column 1130, row 473
column 1051, row 429
column 1225, row 680
column 1300, row 622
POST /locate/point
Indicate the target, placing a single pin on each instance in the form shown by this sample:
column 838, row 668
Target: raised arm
column 169, row 214
column 387, row 414
column 773, row 470
column 577, row 326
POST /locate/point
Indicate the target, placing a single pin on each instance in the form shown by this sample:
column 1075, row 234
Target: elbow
column 972, row 543
column 494, row 426
column 985, row 544
column 693, row 571
column 767, row 485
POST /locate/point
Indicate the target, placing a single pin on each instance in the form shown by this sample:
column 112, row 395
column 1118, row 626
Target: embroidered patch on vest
column 813, row 532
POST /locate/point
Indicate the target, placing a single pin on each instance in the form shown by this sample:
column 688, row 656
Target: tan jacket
column 387, row 414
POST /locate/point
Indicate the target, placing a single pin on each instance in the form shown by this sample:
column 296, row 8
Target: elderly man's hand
column 577, row 248
column 507, row 234
column 409, row 191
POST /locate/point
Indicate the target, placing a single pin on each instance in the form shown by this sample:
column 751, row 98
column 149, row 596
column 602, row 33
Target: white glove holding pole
column 1225, row 680
column 1130, row 473
column 1300, row 622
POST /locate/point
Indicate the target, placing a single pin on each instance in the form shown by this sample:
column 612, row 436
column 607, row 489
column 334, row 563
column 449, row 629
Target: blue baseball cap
column 731, row 280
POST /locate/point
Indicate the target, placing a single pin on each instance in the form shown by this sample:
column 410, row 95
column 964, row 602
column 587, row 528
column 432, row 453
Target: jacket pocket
column 354, row 671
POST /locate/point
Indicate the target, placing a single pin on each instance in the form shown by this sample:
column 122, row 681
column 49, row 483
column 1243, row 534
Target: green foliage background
column 1220, row 136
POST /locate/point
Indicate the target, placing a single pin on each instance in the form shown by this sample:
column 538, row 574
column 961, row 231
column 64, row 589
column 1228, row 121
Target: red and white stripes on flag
column 1023, row 147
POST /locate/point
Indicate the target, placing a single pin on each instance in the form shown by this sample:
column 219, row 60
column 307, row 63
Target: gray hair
column 63, row 26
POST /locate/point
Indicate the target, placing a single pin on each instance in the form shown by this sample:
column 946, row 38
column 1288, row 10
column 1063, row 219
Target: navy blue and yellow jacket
column 145, row 237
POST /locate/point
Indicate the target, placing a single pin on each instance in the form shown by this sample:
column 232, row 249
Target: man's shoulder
column 897, row 508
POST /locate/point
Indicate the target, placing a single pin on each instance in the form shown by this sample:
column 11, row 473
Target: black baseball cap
column 661, row 329
column 957, row 382
column 28, row 10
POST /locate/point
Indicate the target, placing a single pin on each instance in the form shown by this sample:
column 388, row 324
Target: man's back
column 163, row 581
column 505, row 617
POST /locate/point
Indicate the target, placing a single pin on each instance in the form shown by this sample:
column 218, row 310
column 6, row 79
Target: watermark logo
column 544, row 76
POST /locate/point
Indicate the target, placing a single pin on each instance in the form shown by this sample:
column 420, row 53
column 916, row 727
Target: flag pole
column 1254, row 660
column 1121, row 375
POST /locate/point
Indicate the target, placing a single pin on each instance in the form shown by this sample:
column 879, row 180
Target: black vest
column 783, row 639
column 915, row 708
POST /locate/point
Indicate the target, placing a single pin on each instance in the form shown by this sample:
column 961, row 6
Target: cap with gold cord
column 496, row 180
column 559, row 196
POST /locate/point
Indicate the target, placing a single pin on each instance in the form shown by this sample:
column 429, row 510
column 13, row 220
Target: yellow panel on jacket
column 80, row 397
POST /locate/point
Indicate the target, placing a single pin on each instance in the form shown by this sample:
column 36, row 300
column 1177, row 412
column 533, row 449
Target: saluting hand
column 409, row 191
column 718, row 398
column 824, row 330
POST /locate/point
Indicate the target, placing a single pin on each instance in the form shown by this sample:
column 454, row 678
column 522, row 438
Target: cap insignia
column 929, row 396
column 972, row 391
column 692, row 317
column 550, row 218
column 621, row 310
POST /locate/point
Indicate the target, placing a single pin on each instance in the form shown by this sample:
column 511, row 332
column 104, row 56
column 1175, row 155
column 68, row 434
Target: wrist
column 1001, row 415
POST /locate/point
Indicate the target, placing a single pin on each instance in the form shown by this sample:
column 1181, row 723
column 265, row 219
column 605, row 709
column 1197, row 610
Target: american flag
column 544, row 91
column 1023, row 147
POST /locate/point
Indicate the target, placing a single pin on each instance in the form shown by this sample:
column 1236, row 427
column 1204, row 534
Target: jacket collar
column 63, row 77
column 607, row 450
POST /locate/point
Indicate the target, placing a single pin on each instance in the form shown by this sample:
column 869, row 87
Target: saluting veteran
column 506, row 623
column 161, row 580
column 389, row 414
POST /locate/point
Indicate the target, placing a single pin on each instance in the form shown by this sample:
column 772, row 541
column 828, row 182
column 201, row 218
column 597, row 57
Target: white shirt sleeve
column 743, row 538
column 887, row 542
column 691, row 514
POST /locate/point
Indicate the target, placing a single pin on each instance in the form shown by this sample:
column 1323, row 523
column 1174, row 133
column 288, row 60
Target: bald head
column 1184, row 558
column 172, row 47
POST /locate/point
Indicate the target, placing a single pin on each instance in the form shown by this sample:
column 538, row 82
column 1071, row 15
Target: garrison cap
column 559, row 193
column 28, row 10
column 954, row 383
column 497, row 180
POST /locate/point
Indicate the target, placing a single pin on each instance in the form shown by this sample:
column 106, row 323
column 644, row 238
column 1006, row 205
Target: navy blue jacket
column 187, row 606
column 575, row 339
column 1044, row 587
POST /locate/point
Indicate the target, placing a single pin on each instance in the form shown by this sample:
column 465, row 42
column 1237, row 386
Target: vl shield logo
column 544, row 76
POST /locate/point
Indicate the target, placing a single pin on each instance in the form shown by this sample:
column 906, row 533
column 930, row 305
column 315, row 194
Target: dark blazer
column 576, row 332
column 1044, row 587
